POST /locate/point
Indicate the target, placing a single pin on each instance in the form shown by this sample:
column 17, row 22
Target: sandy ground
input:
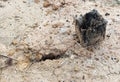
column 29, row 31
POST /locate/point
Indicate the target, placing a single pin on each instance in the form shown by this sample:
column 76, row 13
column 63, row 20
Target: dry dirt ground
column 38, row 44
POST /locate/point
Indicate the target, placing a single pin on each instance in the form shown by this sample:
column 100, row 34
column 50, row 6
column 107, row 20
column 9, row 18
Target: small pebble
column 118, row 15
column 36, row 1
column 24, row 1
column 107, row 14
column 55, row 7
column 38, row 57
column 58, row 25
column 96, row 5
column 11, row 52
column 108, row 36
column 46, row 4
column 76, row 69
column 96, row 59
column 14, row 42
column 9, row 62
column 112, row 58
column 83, row 77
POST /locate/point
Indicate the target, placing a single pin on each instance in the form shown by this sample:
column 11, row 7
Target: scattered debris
column 47, row 41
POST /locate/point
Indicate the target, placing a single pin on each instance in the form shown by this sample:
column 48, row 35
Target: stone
column 46, row 4
column 107, row 14
column 36, row 1
column 55, row 7
column 90, row 28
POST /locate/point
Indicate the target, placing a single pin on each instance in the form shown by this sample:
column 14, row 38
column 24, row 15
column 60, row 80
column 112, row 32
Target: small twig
column 29, row 66
column 7, row 57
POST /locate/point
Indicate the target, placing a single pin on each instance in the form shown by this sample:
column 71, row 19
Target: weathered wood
column 90, row 28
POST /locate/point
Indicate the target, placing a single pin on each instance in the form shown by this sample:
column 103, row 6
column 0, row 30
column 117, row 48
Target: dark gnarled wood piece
column 90, row 28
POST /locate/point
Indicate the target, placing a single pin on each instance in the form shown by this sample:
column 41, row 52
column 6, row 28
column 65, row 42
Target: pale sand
column 18, row 22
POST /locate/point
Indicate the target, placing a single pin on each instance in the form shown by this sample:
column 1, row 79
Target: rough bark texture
column 91, row 28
